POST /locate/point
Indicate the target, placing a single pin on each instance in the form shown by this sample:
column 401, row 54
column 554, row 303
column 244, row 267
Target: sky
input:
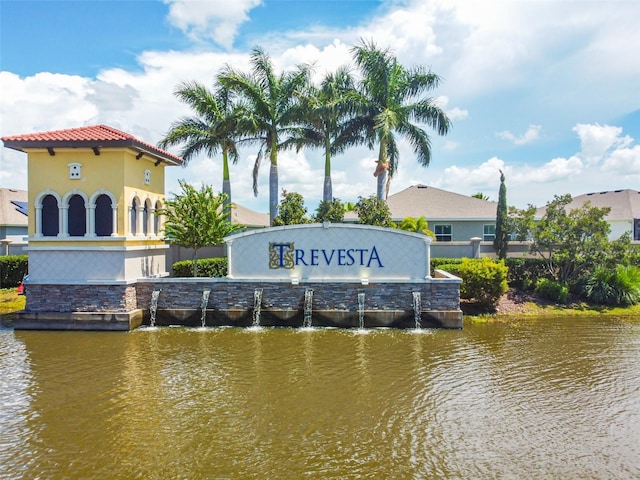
column 548, row 91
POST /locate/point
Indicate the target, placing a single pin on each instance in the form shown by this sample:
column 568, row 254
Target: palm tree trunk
column 327, row 193
column 382, row 171
column 273, row 186
column 226, row 182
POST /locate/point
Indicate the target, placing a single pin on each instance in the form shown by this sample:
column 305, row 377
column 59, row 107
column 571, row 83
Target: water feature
column 417, row 309
column 203, row 305
column 257, row 306
column 361, row 310
column 308, row 308
column 530, row 399
column 153, row 307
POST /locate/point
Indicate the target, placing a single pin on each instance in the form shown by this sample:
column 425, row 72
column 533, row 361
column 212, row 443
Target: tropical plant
column 418, row 225
column 390, row 101
column 214, row 128
column 196, row 219
column 373, row 211
column 291, row 210
column 501, row 240
column 330, row 211
column 323, row 110
column 620, row 286
column 271, row 107
column 480, row 196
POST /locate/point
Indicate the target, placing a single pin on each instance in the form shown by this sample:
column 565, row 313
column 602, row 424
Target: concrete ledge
column 96, row 321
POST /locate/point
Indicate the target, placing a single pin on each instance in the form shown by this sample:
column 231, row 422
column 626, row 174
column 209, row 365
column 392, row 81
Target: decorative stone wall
column 437, row 295
column 80, row 298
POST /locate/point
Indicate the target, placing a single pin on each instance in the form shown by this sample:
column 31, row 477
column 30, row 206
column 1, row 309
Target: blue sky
column 547, row 91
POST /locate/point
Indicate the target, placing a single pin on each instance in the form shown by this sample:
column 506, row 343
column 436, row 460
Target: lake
column 529, row 399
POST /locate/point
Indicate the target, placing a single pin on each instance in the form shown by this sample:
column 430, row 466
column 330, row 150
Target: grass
column 536, row 307
column 10, row 301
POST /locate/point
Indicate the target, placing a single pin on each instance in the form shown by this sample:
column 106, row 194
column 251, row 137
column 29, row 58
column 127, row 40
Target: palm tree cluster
column 277, row 111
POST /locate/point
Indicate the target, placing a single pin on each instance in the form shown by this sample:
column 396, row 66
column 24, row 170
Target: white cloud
column 215, row 20
column 454, row 113
column 531, row 135
column 598, row 141
column 623, row 161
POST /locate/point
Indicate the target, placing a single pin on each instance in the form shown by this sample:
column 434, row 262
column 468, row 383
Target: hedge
column 12, row 269
column 207, row 267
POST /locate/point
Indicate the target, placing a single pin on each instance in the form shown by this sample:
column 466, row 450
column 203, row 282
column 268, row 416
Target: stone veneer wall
column 80, row 298
column 437, row 295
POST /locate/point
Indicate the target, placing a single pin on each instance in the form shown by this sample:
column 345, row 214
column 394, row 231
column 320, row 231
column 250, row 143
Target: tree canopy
column 196, row 219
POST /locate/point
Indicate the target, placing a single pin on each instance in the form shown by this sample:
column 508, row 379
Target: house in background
column 451, row 216
column 13, row 221
column 625, row 210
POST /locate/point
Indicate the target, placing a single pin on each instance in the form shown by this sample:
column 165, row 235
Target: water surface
column 533, row 399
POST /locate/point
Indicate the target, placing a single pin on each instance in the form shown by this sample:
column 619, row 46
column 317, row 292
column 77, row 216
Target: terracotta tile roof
column 96, row 136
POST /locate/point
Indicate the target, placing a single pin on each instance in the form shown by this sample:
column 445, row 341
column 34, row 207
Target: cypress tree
column 501, row 240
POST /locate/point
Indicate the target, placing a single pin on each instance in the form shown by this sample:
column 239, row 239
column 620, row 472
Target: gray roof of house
column 624, row 204
column 434, row 203
column 250, row 218
column 11, row 213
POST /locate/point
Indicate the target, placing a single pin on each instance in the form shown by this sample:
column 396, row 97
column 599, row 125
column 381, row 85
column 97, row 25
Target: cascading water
column 417, row 308
column 257, row 303
column 203, row 305
column 153, row 308
column 308, row 307
column 361, row 310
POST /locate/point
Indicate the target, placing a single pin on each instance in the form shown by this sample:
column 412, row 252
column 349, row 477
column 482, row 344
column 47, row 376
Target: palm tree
column 392, row 102
column 323, row 109
column 213, row 128
column 271, row 108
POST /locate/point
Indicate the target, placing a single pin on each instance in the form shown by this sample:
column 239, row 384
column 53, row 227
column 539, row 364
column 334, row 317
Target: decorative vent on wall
column 75, row 171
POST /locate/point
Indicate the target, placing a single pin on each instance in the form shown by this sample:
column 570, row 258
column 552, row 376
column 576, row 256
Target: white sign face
column 328, row 252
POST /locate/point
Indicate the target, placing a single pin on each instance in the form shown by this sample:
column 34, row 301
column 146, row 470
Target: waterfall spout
column 257, row 303
column 417, row 309
column 361, row 310
column 203, row 305
column 153, row 308
column 308, row 307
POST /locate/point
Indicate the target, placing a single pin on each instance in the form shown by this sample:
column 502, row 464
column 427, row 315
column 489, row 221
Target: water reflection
column 538, row 399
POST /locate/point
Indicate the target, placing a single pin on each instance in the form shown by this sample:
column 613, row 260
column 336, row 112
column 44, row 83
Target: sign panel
column 328, row 252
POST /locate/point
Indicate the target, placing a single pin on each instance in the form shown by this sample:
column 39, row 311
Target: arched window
column 77, row 216
column 156, row 219
column 50, row 216
column 133, row 216
column 104, row 216
column 145, row 217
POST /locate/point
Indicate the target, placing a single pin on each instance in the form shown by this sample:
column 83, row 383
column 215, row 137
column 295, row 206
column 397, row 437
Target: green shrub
column 207, row 267
column 452, row 268
column 484, row 281
column 552, row 290
column 614, row 287
column 438, row 263
column 12, row 269
column 524, row 273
